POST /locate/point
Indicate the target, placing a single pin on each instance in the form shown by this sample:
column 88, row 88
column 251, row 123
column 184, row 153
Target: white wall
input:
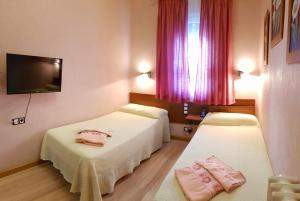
column 246, row 45
column 278, row 105
column 92, row 37
column 143, row 42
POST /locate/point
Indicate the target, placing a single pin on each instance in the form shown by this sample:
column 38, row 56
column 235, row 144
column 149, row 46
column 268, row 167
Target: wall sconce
column 144, row 75
column 144, row 81
column 238, row 74
column 148, row 74
column 144, row 69
column 246, row 65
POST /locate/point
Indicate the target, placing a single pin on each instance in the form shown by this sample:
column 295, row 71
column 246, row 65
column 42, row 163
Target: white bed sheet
column 241, row 147
column 94, row 170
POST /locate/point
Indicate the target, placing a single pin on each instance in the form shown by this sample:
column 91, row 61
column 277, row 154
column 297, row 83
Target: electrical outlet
column 17, row 121
column 188, row 129
column 185, row 108
column 22, row 120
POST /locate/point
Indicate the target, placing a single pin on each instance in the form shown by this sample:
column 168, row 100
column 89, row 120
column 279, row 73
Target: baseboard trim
column 21, row 168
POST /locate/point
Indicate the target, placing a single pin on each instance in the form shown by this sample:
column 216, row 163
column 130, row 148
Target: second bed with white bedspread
column 237, row 140
column 93, row 171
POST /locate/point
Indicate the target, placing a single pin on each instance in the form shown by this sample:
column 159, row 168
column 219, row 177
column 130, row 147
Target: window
column 194, row 51
column 193, row 44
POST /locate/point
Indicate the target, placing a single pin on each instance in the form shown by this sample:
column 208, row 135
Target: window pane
column 193, row 43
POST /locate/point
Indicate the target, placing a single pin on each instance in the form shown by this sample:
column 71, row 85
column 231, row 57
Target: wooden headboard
column 175, row 110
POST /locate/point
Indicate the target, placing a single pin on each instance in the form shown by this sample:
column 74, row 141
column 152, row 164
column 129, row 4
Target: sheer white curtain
column 193, row 43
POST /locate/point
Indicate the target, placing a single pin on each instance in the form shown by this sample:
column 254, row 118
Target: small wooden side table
column 193, row 118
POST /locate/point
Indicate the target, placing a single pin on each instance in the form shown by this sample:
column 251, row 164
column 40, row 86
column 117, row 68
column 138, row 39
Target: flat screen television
column 33, row 74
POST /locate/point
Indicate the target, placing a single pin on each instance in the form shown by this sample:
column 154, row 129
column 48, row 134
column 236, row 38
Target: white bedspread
column 241, row 147
column 94, row 170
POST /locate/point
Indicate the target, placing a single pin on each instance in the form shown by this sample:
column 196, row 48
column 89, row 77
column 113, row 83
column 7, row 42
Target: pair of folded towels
column 92, row 137
column 205, row 179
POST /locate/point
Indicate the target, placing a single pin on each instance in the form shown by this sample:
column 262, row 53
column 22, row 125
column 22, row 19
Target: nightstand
column 192, row 123
column 193, row 118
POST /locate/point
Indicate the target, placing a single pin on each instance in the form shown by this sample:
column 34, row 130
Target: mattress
column 93, row 171
column 241, row 147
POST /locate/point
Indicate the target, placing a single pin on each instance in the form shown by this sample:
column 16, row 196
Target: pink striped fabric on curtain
column 214, row 79
column 172, row 74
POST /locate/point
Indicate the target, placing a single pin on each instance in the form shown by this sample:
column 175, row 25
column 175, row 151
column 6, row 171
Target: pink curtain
column 215, row 72
column 172, row 75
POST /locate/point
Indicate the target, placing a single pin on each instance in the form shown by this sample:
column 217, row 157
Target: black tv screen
column 33, row 74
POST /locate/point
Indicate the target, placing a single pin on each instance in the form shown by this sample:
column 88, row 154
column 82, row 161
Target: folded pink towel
column 197, row 183
column 92, row 137
column 229, row 178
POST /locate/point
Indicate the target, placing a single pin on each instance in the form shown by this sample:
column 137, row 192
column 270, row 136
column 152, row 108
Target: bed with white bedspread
column 137, row 131
column 237, row 140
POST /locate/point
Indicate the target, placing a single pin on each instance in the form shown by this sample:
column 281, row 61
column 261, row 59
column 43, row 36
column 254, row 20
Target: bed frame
column 175, row 110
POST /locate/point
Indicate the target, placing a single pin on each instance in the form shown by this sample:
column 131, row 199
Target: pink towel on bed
column 197, row 183
column 92, row 137
column 229, row 178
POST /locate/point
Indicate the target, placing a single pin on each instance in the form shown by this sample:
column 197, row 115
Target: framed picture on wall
column 293, row 47
column 266, row 37
column 277, row 16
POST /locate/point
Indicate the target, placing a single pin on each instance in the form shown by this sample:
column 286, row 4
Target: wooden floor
column 44, row 183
